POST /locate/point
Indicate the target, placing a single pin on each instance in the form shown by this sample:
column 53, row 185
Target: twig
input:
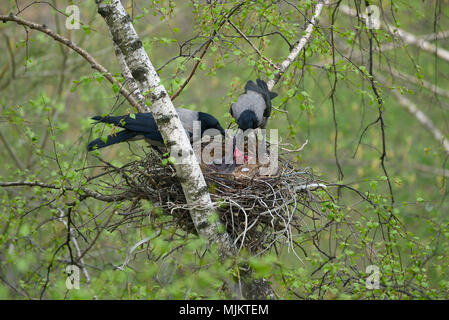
column 176, row 94
column 206, row 46
column 253, row 46
column 296, row 150
column 11, row 152
column 407, row 37
column 88, row 192
column 299, row 47
column 75, row 242
column 94, row 64
column 421, row 82
column 423, row 119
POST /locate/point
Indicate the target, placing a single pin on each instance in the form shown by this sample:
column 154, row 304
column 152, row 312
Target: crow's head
column 248, row 120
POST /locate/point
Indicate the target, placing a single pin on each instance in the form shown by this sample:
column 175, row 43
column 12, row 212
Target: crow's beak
column 222, row 131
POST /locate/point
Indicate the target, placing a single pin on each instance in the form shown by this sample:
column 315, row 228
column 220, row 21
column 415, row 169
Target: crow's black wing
column 121, row 136
column 142, row 123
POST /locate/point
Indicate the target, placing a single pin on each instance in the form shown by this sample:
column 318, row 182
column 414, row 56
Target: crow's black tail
column 121, row 136
column 262, row 88
column 116, row 120
column 263, row 85
column 250, row 85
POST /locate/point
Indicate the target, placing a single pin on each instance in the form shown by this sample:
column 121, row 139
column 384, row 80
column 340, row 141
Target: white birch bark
column 130, row 82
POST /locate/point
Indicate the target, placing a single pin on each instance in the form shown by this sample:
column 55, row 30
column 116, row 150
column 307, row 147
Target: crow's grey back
column 187, row 117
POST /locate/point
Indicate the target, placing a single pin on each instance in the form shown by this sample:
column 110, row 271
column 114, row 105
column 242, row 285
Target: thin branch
column 332, row 96
column 94, row 64
column 421, row 82
column 176, row 94
column 296, row 150
column 87, row 192
column 429, row 37
column 435, row 36
column 407, row 37
column 11, row 152
column 75, row 242
column 299, row 47
column 253, row 46
column 423, row 119
column 265, row 35
column 206, row 46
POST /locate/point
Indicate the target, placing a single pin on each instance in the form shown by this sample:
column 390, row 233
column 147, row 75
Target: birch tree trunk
column 149, row 84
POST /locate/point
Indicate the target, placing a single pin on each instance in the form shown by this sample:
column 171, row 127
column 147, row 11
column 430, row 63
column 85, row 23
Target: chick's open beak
column 239, row 156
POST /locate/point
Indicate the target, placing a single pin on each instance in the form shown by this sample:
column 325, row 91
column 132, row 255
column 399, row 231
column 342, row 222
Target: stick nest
column 258, row 211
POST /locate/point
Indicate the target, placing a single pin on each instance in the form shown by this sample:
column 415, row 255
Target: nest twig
column 258, row 211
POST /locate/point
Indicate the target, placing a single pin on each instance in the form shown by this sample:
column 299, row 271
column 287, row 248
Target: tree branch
column 88, row 192
column 420, row 82
column 253, row 46
column 94, row 64
column 423, row 119
column 407, row 37
column 211, row 39
column 11, row 152
column 299, row 46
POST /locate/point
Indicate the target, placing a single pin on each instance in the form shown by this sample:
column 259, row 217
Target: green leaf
column 115, row 88
column 86, row 29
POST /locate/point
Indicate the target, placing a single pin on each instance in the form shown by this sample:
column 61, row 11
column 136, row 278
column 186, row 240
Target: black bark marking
column 104, row 10
column 202, row 191
column 164, row 119
column 129, row 48
column 203, row 225
column 139, row 74
column 155, row 97
column 125, row 19
column 135, row 45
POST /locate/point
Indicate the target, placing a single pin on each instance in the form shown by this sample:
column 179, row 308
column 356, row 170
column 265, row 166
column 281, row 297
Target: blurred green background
column 48, row 94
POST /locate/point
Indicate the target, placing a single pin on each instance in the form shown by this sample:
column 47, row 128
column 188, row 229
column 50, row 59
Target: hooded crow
column 253, row 108
column 139, row 126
